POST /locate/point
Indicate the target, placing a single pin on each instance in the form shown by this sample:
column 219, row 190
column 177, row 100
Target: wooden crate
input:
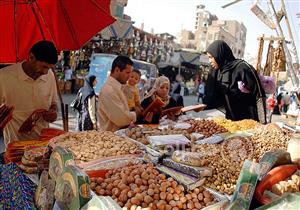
column 61, row 86
column 79, row 83
column 68, row 85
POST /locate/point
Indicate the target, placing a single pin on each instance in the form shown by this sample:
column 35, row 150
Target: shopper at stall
column 201, row 90
column 143, row 86
column 160, row 90
column 131, row 91
column 29, row 86
column 239, row 104
column 86, row 117
column 113, row 110
column 176, row 90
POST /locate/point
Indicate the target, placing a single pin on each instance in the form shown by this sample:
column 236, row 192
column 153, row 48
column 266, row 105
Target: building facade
column 209, row 28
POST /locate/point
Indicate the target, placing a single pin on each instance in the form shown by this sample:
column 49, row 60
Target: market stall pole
column 289, row 60
column 259, row 55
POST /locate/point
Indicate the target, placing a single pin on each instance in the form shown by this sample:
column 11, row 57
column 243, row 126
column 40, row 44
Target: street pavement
column 188, row 100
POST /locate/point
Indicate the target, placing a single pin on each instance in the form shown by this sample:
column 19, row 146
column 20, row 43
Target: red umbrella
column 68, row 23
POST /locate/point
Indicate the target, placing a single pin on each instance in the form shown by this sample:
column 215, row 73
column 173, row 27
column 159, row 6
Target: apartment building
column 209, row 28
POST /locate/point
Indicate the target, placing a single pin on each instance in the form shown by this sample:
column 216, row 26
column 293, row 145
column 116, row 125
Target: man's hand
column 51, row 114
column 172, row 116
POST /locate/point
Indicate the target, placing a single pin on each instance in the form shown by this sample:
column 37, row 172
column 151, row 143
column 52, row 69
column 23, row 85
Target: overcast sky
column 173, row 15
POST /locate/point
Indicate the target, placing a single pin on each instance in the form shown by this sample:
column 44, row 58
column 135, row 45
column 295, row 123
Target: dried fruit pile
column 206, row 127
column 233, row 126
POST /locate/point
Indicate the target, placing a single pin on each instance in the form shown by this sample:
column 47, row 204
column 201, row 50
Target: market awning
column 185, row 57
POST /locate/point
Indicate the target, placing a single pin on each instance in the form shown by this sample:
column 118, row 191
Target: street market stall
column 184, row 164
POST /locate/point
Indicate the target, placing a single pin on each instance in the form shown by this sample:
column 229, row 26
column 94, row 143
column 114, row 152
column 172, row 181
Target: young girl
column 160, row 90
column 87, row 116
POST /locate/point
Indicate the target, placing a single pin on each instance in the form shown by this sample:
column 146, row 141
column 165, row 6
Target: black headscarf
column 88, row 90
column 223, row 56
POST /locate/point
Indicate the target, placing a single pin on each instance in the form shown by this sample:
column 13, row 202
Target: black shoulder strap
column 256, row 79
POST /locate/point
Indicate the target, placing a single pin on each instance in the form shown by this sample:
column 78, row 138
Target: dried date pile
column 206, row 127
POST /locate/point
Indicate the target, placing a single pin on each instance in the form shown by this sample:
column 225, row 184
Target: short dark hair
column 121, row 62
column 137, row 71
column 44, row 51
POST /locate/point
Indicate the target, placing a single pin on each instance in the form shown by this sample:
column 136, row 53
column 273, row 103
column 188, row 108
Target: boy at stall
column 131, row 90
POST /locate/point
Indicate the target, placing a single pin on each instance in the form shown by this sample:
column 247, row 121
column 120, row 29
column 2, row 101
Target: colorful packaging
column 72, row 188
column 188, row 182
column 245, row 188
column 189, row 158
column 59, row 159
column 167, row 140
column 198, row 172
column 44, row 195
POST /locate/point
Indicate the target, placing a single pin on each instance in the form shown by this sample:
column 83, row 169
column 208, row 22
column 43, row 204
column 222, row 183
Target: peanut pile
column 93, row 145
column 265, row 140
column 226, row 160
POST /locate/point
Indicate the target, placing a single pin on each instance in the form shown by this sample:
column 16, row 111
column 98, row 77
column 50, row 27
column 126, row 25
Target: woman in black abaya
column 237, row 83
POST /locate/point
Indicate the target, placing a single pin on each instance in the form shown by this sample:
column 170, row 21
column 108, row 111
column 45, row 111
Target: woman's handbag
column 261, row 100
column 76, row 103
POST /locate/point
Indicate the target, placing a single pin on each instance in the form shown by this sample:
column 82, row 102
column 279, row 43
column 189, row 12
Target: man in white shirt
column 29, row 86
column 113, row 111
column 68, row 73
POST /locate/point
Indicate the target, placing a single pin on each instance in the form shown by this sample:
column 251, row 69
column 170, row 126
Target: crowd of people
column 122, row 100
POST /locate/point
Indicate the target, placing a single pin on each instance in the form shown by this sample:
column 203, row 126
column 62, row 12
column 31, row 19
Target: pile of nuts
column 91, row 145
column 141, row 134
column 234, row 151
column 265, row 140
column 237, row 149
column 233, row 126
column 226, row 160
column 141, row 186
column 206, row 127
column 291, row 185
